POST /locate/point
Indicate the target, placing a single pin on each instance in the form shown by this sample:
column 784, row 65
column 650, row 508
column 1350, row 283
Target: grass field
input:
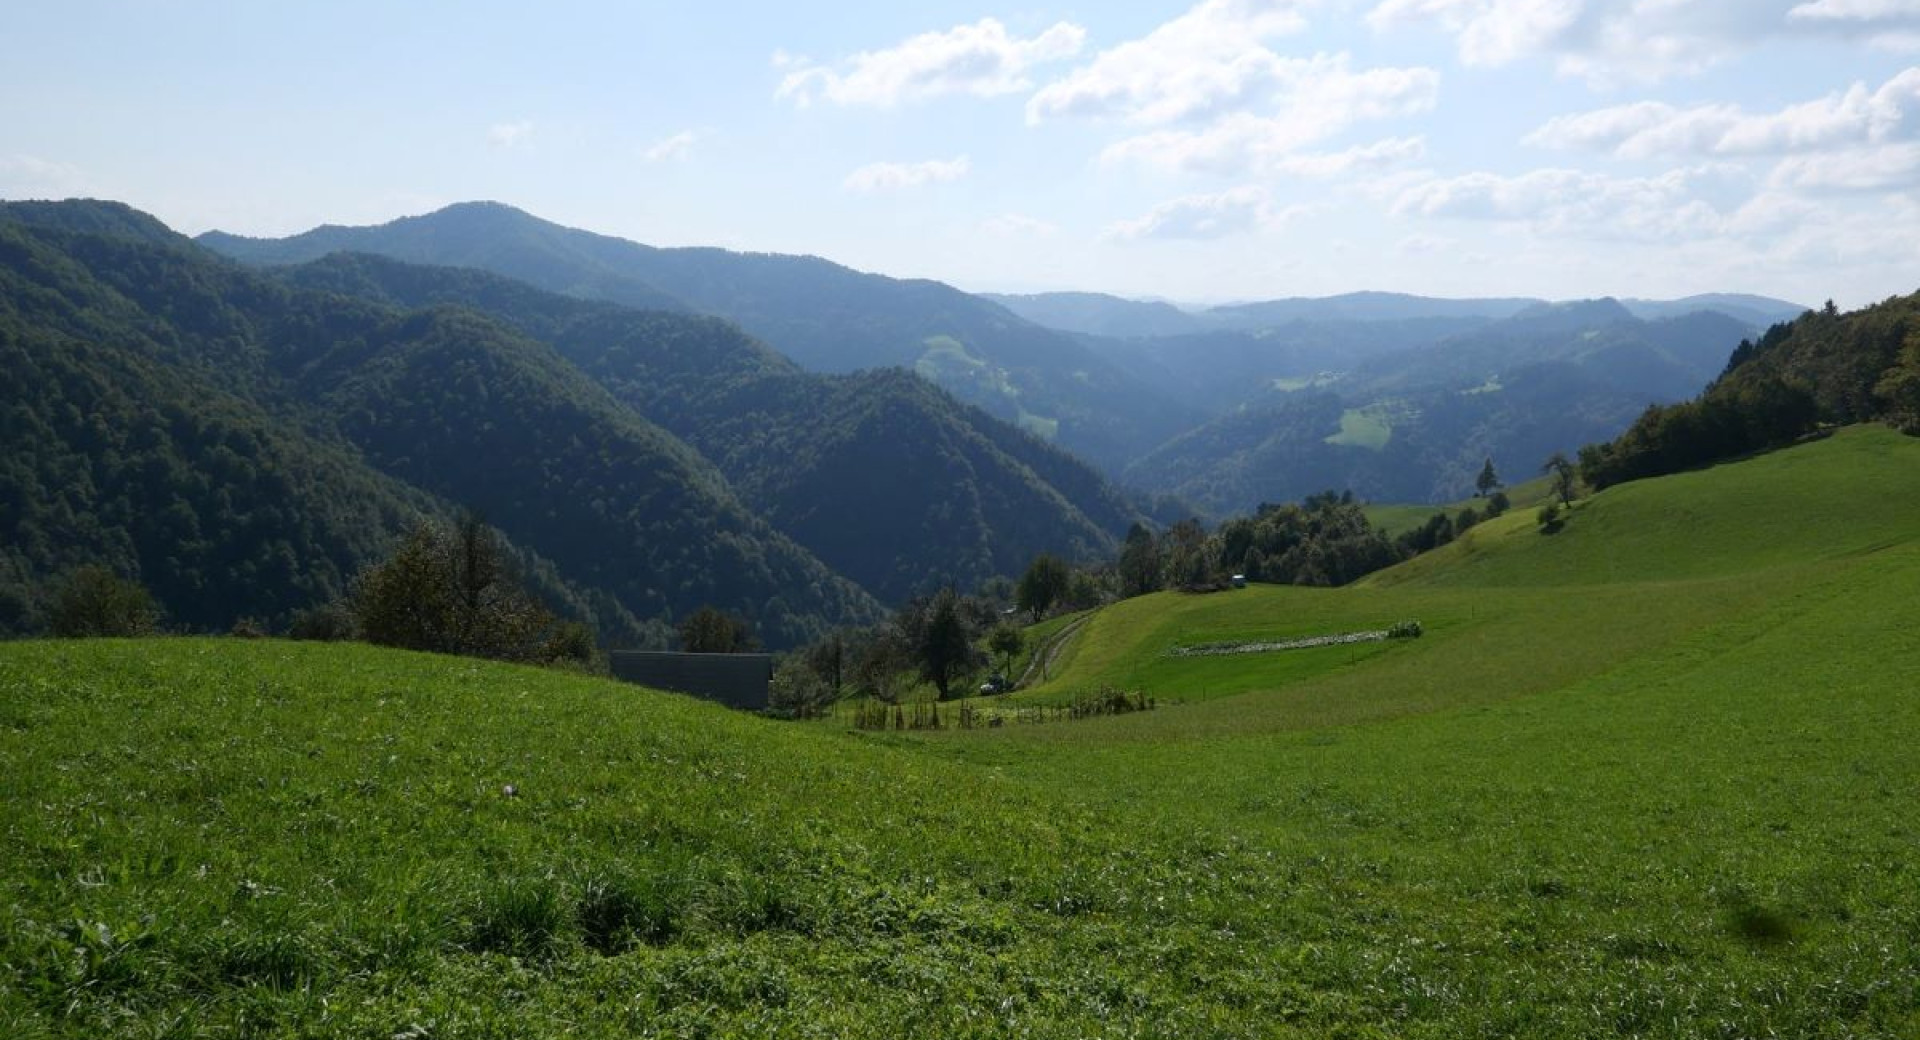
column 1650, row 776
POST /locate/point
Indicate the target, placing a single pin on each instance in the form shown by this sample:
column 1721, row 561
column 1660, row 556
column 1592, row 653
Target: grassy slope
column 1657, row 807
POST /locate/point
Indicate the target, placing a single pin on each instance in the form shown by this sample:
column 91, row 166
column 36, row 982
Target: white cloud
column 675, row 147
column 1018, row 225
column 1488, row 32
column 1208, row 60
column 981, row 59
column 887, row 176
column 1314, row 99
column 1679, row 204
column 1856, row 10
column 1358, row 159
column 1605, row 42
column 1650, row 128
column 509, row 135
column 1878, row 169
column 1231, row 212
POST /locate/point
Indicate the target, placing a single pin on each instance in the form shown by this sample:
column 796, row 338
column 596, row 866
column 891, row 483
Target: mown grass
column 1654, row 806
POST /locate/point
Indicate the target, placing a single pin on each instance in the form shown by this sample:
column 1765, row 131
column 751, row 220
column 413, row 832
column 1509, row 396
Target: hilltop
column 1651, row 774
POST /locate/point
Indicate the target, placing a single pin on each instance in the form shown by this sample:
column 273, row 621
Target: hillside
column 827, row 317
column 1415, row 424
column 1821, row 369
column 1669, row 799
column 885, row 478
column 421, row 406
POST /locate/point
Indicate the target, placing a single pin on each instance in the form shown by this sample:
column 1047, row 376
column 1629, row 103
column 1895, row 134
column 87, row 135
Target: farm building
column 735, row 680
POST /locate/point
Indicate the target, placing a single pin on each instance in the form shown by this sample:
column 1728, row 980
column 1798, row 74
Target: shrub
column 327, row 623
column 94, row 601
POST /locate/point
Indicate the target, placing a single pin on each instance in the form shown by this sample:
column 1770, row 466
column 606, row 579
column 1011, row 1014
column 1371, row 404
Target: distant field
column 1651, row 776
column 1370, row 427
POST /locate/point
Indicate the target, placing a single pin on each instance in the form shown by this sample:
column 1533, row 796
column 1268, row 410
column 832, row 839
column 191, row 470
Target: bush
column 94, row 601
column 1405, row 630
column 327, row 623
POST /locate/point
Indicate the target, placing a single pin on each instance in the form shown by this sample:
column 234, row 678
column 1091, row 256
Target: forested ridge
column 244, row 447
column 1824, row 368
column 885, row 477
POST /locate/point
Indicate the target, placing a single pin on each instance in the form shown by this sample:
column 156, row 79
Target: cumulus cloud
column 1605, row 42
column 1236, row 211
column 981, row 59
column 1208, row 60
column 1648, row 129
column 1314, row 99
column 509, row 135
column 1488, row 32
column 1684, row 203
column 1891, row 167
column 671, row 148
column 889, row 176
column 1856, row 10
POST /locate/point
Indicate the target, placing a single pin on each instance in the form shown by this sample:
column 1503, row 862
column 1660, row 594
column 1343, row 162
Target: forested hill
column 1417, row 424
column 1823, row 368
column 242, row 446
column 883, row 476
column 827, row 317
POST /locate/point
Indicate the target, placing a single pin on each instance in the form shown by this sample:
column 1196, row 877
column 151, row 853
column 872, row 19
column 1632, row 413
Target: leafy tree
column 1190, row 564
column 1141, row 566
column 710, row 630
column 1560, row 468
column 94, row 601
column 879, row 659
column 1006, row 641
column 797, row 691
column 1488, row 481
column 944, row 647
column 1043, row 585
column 828, row 660
column 450, row 591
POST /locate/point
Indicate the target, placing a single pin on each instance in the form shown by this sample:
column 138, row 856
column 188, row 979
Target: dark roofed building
column 735, row 680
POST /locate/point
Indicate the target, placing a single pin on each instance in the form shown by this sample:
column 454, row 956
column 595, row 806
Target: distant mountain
column 1758, row 311
column 1363, row 306
column 1415, row 425
column 883, row 476
column 349, row 416
column 1220, row 370
column 826, row 317
column 1098, row 314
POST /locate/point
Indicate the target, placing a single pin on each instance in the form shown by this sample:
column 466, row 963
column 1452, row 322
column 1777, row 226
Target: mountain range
column 1220, row 408
column 656, row 429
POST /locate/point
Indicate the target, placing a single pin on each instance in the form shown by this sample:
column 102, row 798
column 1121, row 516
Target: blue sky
column 1195, row 151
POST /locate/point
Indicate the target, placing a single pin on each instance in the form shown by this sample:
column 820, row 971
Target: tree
column 827, row 660
column 1561, row 469
column 451, row 592
column 1140, row 564
column 878, row 660
column 710, row 630
column 1044, row 584
column 1488, row 481
column 1006, row 641
column 944, row 649
column 94, row 601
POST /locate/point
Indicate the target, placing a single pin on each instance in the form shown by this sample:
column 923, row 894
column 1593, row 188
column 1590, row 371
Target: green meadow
column 1652, row 775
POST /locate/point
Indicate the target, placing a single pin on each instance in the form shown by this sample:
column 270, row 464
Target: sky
column 1199, row 152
